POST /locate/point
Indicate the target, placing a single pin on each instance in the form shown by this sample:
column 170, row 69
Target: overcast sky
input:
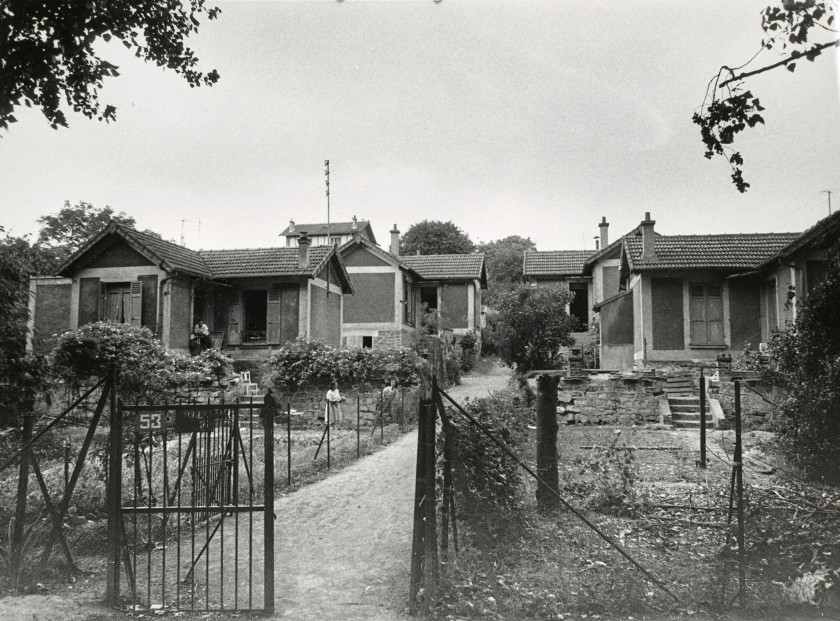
column 528, row 118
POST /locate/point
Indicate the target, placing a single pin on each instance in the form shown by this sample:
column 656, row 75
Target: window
column 118, row 302
column 254, row 315
column 367, row 342
column 706, row 312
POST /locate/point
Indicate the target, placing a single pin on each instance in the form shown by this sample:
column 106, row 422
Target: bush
column 484, row 475
column 805, row 359
column 308, row 362
column 469, row 351
column 452, row 368
column 146, row 369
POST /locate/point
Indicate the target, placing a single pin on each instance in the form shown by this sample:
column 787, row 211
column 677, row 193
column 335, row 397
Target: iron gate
column 188, row 535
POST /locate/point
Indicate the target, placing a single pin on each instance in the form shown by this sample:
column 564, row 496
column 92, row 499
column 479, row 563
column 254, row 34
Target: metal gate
column 194, row 519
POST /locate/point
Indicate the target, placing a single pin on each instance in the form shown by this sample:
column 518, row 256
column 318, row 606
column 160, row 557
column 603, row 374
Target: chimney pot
column 303, row 250
column 604, row 227
column 596, row 242
column 291, row 226
column 648, row 249
column 355, row 222
column 395, row 241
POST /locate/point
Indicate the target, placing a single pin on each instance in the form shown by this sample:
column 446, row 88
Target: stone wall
column 610, row 400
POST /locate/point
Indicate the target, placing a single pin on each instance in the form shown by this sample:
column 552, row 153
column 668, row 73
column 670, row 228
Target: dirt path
column 344, row 544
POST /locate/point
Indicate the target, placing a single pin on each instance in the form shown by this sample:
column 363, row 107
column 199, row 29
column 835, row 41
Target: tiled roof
column 736, row 251
column 255, row 262
column 446, row 266
column 179, row 258
column 555, row 262
column 822, row 227
column 335, row 228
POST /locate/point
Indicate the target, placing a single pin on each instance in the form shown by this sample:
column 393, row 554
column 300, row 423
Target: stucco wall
column 373, row 298
column 49, row 310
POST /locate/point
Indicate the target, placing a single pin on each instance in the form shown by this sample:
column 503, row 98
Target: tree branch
column 817, row 48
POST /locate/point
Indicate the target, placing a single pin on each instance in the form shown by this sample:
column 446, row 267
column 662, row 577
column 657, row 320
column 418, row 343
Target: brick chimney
column 291, row 226
column 605, row 228
column 395, row 242
column 648, row 250
column 354, row 226
column 303, row 250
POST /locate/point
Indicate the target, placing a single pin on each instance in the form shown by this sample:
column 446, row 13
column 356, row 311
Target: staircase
column 684, row 404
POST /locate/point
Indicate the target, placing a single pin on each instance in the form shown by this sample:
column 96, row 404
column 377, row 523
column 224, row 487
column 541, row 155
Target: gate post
column 113, row 498
column 22, row 494
column 268, row 500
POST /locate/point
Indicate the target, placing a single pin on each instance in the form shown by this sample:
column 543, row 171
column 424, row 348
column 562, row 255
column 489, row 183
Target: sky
column 514, row 117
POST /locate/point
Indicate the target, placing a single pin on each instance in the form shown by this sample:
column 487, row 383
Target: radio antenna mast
column 182, row 229
column 329, row 238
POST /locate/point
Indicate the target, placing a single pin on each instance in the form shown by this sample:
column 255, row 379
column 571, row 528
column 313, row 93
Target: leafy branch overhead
column 50, row 51
column 792, row 30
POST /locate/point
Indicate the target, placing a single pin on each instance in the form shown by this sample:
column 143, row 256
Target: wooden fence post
column 114, row 496
column 22, row 493
column 547, row 428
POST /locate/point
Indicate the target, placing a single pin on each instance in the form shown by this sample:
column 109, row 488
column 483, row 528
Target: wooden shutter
column 697, row 312
column 714, row 315
column 273, row 317
column 289, row 315
column 234, row 319
column 135, row 313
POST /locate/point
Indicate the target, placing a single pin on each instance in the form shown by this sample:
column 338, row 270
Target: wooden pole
column 547, row 427
column 739, row 480
column 269, row 410
column 114, row 496
column 702, row 463
column 289, row 443
column 22, row 493
column 358, row 427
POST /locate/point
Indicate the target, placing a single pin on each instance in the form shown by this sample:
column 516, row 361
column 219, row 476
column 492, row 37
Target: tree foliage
column 504, row 258
column 435, row 237
column 21, row 375
column 50, row 52
column 531, row 327
column 805, row 359
column 68, row 229
column 796, row 30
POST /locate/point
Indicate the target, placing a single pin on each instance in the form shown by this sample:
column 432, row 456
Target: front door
column 118, row 302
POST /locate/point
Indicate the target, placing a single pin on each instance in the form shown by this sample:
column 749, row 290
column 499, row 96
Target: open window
column 254, row 315
column 579, row 306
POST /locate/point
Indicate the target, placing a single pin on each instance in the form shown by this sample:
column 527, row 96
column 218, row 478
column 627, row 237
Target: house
column 552, row 267
column 391, row 292
column 684, row 298
column 791, row 274
column 253, row 300
column 328, row 233
column 383, row 311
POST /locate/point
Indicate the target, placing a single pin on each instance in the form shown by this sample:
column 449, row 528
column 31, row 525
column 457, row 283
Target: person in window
column 200, row 339
column 334, row 400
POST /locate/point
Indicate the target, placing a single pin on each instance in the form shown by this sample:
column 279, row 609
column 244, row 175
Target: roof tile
column 555, row 262
column 255, row 262
column 445, row 266
column 730, row 251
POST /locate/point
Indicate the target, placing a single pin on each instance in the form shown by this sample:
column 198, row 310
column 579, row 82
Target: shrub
column 484, row 475
column 146, row 369
column 469, row 351
column 452, row 368
column 805, row 359
column 307, row 362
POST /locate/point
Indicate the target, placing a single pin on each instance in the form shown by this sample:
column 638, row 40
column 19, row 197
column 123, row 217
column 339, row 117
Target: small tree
column 435, row 237
column 532, row 326
column 504, row 265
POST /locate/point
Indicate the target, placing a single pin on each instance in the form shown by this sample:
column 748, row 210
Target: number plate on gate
column 150, row 421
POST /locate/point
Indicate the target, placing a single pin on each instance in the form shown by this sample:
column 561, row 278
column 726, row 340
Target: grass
column 529, row 565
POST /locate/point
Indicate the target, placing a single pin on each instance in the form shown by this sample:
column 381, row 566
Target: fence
column 436, row 517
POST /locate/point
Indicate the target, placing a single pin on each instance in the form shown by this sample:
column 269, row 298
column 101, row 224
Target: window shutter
column 697, row 312
column 136, row 304
column 714, row 315
column 234, row 319
column 90, row 296
column 274, row 317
